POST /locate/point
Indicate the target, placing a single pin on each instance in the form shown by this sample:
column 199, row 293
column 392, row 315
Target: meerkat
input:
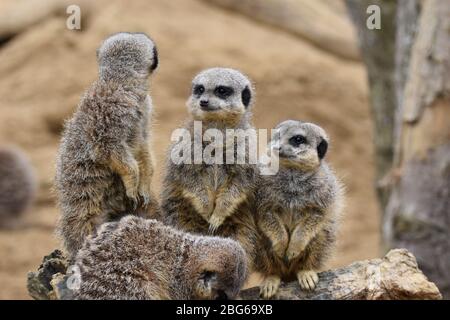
column 104, row 165
column 17, row 184
column 138, row 258
column 215, row 198
column 297, row 208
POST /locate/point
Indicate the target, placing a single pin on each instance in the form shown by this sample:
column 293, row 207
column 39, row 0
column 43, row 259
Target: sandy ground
column 44, row 70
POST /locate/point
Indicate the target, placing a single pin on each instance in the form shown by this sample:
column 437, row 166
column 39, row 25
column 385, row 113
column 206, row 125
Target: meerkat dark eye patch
column 322, row 148
column 246, row 96
column 155, row 59
column 223, row 92
column 207, row 277
column 297, row 140
column 198, row 90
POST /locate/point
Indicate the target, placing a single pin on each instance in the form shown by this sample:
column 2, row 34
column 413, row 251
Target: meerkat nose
column 204, row 104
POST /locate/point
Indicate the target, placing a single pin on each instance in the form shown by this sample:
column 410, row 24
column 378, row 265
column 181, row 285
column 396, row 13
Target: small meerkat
column 104, row 165
column 215, row 198
column 138, row 258
column 17, row 184
column 297, row 208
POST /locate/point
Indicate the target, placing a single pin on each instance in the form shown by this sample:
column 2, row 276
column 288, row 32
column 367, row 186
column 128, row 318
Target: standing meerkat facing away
column 104, row 164
column 137, row 258
column 215, row 197
column 17, row 184
column 298, row 208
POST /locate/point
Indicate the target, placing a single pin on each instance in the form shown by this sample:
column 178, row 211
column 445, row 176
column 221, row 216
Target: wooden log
column 396, row 276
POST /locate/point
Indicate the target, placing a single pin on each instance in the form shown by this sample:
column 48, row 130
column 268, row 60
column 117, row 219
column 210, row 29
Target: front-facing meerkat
column 297, row 208
column 104, row 165
column 137, row 258
column 215, row 197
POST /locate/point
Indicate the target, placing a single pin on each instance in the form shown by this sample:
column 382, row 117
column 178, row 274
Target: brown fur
column 144, row 259
column 297, row 210
column 104, row 164
column 215, row 198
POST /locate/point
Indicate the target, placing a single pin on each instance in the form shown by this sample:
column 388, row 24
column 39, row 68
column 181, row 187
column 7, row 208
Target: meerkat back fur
column 104, row 164
column 215, row 198
column 138, row 258
column 17, row 184
column 297, row 208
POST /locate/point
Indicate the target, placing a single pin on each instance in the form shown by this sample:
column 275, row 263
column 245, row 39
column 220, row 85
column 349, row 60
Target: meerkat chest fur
column 294, row 191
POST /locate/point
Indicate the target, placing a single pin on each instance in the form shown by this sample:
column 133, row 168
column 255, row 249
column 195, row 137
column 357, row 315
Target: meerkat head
column 127, row 55
column 220, row 268
column 220, row 94
column 300, row 144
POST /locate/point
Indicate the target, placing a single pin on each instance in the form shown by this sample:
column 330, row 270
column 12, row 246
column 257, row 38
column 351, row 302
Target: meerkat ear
column 155, row 59
column 322, row 148
column 246, row 97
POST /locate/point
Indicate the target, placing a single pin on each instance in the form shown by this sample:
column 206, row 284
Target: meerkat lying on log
column 138, row 258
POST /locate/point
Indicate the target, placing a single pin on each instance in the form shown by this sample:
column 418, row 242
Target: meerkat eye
column 199, row 89
column 297, row 140
column 223, row 92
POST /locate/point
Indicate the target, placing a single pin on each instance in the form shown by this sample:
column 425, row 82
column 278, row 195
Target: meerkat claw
column 212, row 229
column 270, row 287
column 144, row 193
column 145, row 200
column 134, row 201
column 308, row 279
column 214, row 223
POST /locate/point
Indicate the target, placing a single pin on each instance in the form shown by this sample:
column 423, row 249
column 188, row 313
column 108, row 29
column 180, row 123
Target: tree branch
column 396, row 276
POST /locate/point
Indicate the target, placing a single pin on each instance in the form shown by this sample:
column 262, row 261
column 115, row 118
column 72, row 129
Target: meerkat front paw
column 293, row 251
column 215, row 221
column 132, row 192
column 291, row 254
column 269, row 287
column 144, row 192
column 279, row 248
column 307, row 279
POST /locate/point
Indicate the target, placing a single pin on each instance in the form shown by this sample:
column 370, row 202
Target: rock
column 321, row 22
